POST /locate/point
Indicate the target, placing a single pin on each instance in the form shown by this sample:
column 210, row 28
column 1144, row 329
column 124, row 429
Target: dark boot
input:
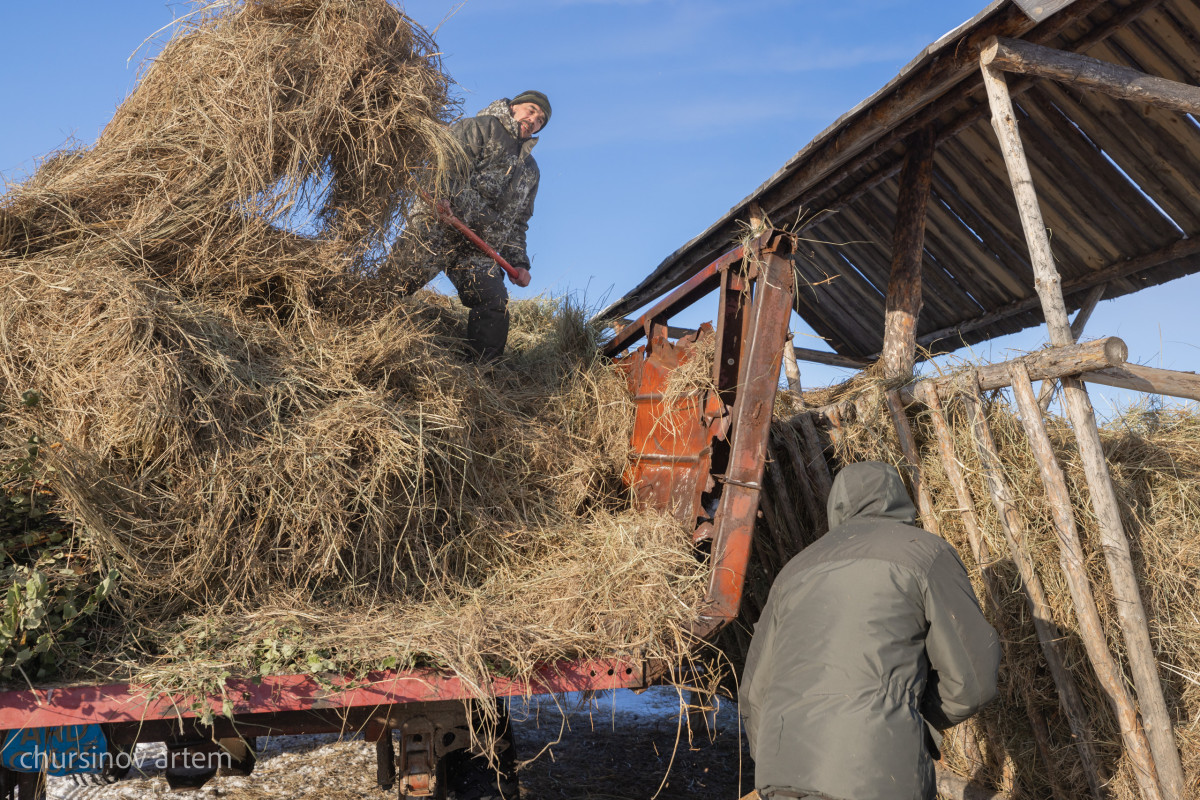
column 487, row 332
column 481, row 289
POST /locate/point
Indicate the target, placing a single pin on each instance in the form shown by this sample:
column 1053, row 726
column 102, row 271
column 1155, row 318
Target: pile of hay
column 289, row 468
column 1154, row 456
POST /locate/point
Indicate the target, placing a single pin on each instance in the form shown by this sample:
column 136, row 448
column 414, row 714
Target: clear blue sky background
column 666, row 113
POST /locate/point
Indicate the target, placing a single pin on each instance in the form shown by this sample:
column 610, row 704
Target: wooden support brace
column 1126, row 594
column 1125, row 83
column 928, row 394
column 1081, row 319
column 830, row 359
column 908, row 446
column 1071, row 558
column 1048, row 633
column 1150, row 380
column 1050, row 363
column 903, row 304
column 1130, row 611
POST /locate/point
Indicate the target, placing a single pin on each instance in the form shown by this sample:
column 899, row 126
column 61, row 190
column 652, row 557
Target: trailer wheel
column 470, row 777
column 116, row 769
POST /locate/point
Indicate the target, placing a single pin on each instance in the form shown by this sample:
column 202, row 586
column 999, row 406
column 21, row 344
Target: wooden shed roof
column 1116, row 181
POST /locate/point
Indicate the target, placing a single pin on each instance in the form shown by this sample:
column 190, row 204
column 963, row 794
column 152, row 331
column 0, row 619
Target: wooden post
column 903, row 306
column 927, row 393
column 813, row 462
column 1085, row 310
column 792, row 370
column 1126, row 595
column 1048, row 632
column 1125, row 83
column 1081, row 319
column 1134, row 629
column 1045, row 277
column 908, row 446
column 831, row 359
column 1071, row 558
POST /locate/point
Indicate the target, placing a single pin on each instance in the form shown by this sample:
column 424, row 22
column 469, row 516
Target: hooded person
column 871, row 641
column 493, row 194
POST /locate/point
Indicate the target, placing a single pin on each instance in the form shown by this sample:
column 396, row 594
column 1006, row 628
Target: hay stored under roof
column 1154, row 458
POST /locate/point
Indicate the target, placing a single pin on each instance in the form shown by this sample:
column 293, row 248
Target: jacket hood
column 501, row 110
column 869, row 490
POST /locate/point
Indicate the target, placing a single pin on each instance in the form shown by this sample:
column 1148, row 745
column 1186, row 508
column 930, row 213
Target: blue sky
column 666, row 113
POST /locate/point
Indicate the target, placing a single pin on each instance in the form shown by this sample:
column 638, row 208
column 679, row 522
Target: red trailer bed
column 700, row 456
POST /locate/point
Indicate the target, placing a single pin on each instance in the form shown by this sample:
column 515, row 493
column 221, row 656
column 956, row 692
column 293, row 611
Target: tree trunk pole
column 908, row 446
column 1143, row 666
column 1045, row 277
column 1071, row 558
column 927, row 393
column 903, row 304
column 792, row 370
column 1150, row 380
column 1048, row 632
column 1076, row 69
column 1052, row 362
column 1077, row 325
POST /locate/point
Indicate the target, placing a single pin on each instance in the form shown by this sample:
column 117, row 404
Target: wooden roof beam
column 1086, row 72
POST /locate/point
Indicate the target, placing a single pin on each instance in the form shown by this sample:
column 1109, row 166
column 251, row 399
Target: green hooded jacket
column 871, row 639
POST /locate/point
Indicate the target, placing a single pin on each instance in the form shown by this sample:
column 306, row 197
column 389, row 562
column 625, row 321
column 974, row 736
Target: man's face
column 530, row 118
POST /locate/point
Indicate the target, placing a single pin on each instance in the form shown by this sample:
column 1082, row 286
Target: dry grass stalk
column 1155, row 460
column 1154, row 456
column 291, row 468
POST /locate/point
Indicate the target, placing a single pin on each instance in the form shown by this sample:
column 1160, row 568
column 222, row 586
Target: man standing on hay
column 494, row 196
column 871, row 641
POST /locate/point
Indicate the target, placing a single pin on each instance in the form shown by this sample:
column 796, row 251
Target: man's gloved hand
column 522, row 278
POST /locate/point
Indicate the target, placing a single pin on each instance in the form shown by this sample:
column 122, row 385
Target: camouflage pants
column 427, row 249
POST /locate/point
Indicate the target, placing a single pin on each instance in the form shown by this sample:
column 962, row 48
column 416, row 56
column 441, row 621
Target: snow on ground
column 613, row 745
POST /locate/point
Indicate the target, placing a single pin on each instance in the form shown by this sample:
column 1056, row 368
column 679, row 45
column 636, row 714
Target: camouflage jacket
column 494, row 196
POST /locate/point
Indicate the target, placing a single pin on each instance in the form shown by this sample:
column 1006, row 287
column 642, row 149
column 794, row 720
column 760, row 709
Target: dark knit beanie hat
column 538, row 99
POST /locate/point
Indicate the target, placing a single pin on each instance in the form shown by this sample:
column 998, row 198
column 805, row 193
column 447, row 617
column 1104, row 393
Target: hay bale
column 290, row 468
column 1154, row 457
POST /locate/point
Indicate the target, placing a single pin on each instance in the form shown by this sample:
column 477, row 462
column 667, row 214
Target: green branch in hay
column 274, row 451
